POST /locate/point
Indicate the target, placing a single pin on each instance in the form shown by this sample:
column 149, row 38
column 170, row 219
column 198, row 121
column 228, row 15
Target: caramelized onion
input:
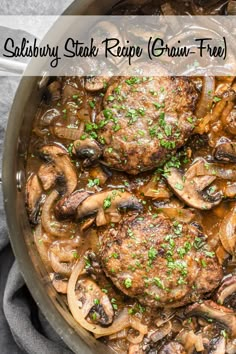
column 120, row 323
column 179, row 214
column 138, row 326
column 119, row 335
column 221, row 254
column 69, row 133
column 227, row 232
column 42, row 243
column 205, row 102
column 161, row 332
column 204, row 168
column 155, row 189
column 49, row 222
column 210, row 117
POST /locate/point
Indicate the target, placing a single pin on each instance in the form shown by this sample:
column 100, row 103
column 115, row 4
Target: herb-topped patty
column 159, row 261
column 145, row 120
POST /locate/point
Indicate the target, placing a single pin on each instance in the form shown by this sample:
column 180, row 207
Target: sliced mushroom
column 231, row 122
column 47, row 175
column 87, row 149
column 172, row 348
column 106, row 205
column 227, row 291
column 65, row 171
column 59, row 282
column 53, row 92
column 66, row 207
column 190, row 189
column 94, row 303
column 210, row 310
column 96, row 83
column 34, row 198
column 225, row 151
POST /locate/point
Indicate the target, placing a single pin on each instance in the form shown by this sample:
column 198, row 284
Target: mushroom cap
column 65, row 171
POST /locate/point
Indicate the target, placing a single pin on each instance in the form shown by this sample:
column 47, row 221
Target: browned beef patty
column 145, row 120
column 158, row 261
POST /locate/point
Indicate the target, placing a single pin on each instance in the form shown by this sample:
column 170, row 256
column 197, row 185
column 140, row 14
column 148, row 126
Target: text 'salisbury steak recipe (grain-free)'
column 131, row 195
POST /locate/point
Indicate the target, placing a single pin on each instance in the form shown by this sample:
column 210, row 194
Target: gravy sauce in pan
column 131, row 196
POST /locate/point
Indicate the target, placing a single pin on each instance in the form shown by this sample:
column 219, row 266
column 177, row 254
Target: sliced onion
column 42, row 243
column 101, row 218
column 226, row 112
column 49, row 222
column 135, row 339
column 230, row 190
column 83, row 115
column 119, row 335
column 121, row 322
column 179, row 214
column 161, row 332
column 205, row 102
column 60, row 267
column 227, row 232
column 221, row 254
column 154, row 190
column 210, row 117
column 138, row 326
column 204, row 168
column 199, row 343
column 69, row 133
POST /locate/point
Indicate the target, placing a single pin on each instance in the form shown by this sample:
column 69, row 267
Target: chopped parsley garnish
column 93, row 182
column 216, row 99
column 107, row 202
column 75, row 254
column 159, row 283
column 152, row 253
column 110, row 98
column 179, row 186
column 133, row 80
column 128, row 283
column 92, row 104
column 64, row 111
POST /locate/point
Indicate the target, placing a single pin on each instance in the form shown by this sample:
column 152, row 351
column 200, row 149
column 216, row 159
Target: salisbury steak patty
column 160, row 262
column 145, row 120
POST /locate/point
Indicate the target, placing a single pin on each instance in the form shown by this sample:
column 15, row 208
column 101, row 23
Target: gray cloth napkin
column 23, row 328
